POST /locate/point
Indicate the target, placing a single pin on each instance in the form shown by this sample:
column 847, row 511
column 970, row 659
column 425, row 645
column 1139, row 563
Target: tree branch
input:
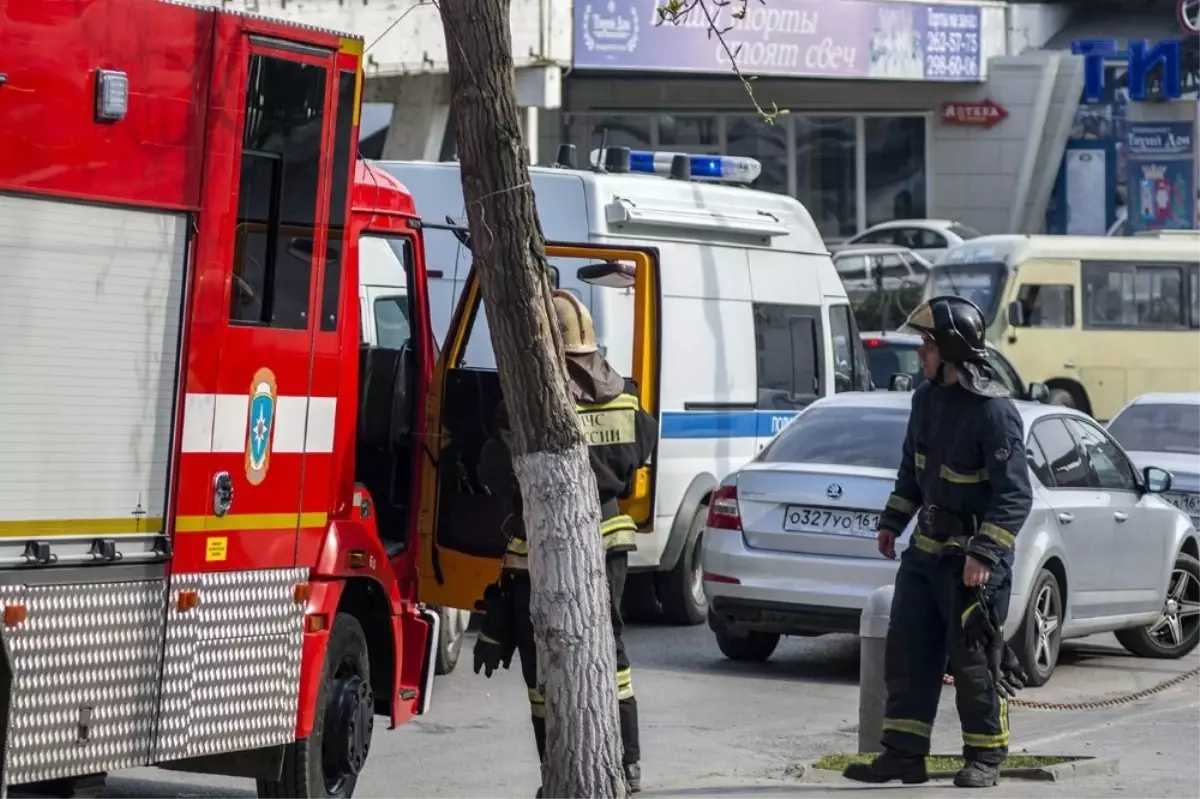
column 674, row 12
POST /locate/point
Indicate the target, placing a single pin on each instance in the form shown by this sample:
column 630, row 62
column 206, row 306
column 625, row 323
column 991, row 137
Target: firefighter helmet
column 955, row 324
column 575, row 322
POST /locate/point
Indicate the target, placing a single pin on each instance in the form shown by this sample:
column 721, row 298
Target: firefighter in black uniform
column 963, row 475
column 620, row 438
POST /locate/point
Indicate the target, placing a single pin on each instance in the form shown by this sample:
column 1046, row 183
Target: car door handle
column 1066, row 518
column 1120, row 517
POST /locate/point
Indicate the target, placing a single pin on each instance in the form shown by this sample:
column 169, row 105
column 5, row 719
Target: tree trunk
column 569, row 606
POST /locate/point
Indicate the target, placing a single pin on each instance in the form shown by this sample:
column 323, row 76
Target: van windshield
column 981, row 283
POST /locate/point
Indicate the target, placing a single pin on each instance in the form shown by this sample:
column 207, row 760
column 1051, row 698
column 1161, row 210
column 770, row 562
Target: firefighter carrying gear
column 963, row 474
column 497, row 640
column 620, row 438
column 979, row 626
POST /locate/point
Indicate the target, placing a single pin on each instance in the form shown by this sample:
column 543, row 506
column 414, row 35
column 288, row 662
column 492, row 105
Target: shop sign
column 864, row 39
column 1170, row 138
column 986, row 114
column 1142, row 58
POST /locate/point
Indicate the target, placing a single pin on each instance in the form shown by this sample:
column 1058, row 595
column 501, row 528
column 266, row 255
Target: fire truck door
column 275, row 383
column 458, row 519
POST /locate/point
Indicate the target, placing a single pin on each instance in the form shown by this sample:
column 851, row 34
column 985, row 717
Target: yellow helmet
column 575, row 322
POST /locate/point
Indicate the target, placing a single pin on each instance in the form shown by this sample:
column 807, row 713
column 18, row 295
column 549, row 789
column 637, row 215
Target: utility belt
column 943, row 532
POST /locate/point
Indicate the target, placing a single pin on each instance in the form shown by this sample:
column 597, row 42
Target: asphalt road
column 714, row 727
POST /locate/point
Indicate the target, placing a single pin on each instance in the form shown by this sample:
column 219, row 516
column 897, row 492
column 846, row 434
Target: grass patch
column 936, row 763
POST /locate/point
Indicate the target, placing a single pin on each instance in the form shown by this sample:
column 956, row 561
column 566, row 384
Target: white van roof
column 643, row 206
column 1013, row 249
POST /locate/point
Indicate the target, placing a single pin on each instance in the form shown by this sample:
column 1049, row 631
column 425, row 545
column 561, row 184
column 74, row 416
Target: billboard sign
column 1142, row 58
column 863, row 39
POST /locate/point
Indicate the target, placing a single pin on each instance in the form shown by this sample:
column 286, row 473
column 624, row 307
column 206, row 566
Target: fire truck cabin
column 204, row 551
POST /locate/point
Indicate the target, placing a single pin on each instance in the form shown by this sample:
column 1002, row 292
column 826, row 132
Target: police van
column 719, row 302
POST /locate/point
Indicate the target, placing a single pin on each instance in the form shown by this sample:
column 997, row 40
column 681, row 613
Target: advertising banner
column 1161, row 174
column 864, row 39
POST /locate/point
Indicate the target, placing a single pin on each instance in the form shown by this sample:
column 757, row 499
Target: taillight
column 723, row 509
column 872, row 343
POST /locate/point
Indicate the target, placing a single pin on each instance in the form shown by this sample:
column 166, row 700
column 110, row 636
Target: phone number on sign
column 952, row 42
column 953, row 66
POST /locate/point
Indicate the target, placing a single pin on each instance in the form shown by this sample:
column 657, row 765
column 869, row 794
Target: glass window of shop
column 851, row 171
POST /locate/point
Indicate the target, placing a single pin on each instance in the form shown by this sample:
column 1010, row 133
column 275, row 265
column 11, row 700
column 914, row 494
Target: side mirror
column 900, row 382
column 1037, row 392
column 611, row 274
column 1016, row 314
column 1157, row 480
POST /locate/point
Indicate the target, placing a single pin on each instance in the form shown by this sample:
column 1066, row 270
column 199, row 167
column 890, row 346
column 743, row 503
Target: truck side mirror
column 1037, row 392
column 611, row 274
column 900, row 382
column 1016, row 314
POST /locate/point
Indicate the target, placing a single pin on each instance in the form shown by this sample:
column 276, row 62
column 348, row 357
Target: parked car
column 789, row 547
column 889, row 354
column 928, row 237
column 883, row 283
column 1164, row 430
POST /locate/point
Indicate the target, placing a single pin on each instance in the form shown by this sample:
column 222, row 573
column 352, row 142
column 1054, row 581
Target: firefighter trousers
column 924, row 632
column 616, row 567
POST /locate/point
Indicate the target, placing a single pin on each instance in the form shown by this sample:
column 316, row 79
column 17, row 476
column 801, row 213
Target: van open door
column 459, row 521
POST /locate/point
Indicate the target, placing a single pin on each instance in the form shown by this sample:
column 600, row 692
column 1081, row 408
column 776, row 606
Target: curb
column 1080, row 768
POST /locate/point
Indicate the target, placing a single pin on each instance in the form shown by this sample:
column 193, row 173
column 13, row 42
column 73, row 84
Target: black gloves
column 981, row 631
column 497, row 639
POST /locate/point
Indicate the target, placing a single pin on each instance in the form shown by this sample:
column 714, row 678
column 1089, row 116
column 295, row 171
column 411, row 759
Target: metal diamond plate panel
column 231, row 668
column 85, row 678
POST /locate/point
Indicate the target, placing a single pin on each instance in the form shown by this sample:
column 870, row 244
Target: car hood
column 1183, row 467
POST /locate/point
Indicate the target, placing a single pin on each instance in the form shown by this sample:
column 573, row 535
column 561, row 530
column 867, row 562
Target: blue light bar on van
column 722, row 168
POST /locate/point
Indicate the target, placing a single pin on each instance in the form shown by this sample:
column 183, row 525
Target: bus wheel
column 326, row 765
column 1060, row 396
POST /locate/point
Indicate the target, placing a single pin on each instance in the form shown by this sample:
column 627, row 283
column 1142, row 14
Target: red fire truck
column 205, row 559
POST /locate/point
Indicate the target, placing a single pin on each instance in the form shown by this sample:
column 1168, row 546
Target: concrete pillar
column 872, row 689
column 420, row 113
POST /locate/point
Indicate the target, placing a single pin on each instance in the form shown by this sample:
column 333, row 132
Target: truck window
column 277, row 193
column 788, row 344
column 339, row 183
column 391, row 322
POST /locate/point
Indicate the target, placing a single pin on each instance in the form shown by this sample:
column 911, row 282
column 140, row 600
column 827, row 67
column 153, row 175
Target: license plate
column 1188, row 503
column 798, row 519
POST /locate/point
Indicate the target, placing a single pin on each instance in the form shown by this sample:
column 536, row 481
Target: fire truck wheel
column 328, row 762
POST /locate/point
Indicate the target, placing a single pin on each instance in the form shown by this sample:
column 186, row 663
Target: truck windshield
column 982, row 283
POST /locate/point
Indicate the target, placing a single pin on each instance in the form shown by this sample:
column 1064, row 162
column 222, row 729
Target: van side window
column 1048, row 305
column 1133, row 296
column 277, row 193
column 788, row 344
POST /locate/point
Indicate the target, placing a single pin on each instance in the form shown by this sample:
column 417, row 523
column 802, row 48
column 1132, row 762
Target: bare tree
column 569, row 605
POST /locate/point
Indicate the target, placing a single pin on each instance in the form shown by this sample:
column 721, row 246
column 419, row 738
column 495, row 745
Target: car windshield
column 845, row 436
column 981, row 283
column 963, row 232
column 889, row 359
column 1158, row 428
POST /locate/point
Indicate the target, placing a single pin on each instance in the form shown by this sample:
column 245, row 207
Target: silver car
column 1164, row 430
column 789, row 548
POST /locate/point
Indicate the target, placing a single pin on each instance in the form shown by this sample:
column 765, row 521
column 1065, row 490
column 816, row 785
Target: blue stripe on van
column 723, row 424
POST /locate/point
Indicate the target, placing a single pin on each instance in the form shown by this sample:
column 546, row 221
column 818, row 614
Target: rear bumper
column 787, row 593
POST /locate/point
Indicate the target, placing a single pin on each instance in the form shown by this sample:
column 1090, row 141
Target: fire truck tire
column 326, row 765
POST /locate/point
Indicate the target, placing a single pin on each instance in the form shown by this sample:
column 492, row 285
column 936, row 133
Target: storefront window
column 753, row 138
column 825, row 173
column 896, row 174
column 622, row 131
column 690, row 134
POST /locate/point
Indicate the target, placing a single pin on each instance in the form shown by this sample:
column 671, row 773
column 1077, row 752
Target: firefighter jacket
column 963, row 469
column 620, row 437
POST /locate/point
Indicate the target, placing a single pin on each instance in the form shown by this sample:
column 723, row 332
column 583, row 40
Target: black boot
column 977, row 775
column 889, row 767
column 633, row 778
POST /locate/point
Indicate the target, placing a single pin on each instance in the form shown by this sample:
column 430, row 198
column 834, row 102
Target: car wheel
column 1040, row 637
column 1060, row 396
column 450, row 638
column 1177, row 630
column 681, row 590
column 751, row 646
